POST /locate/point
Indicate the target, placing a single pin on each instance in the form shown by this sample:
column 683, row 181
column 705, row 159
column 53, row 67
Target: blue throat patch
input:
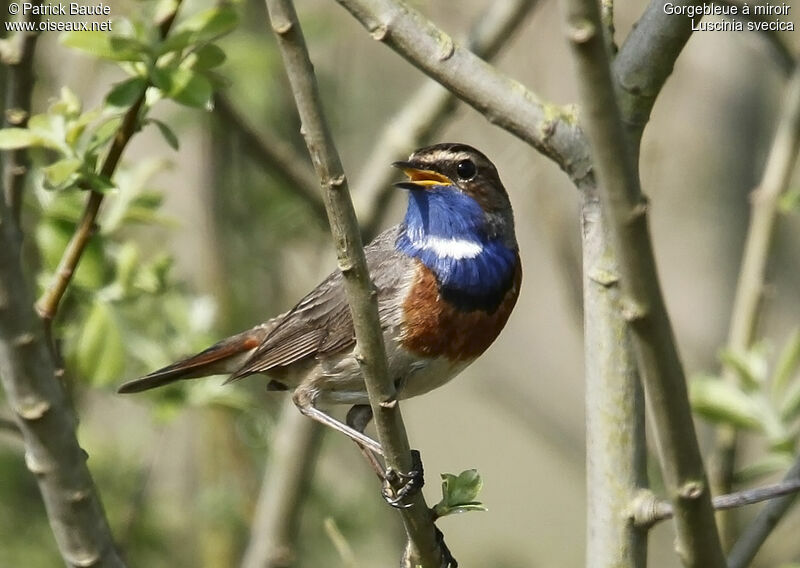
column 444, row 229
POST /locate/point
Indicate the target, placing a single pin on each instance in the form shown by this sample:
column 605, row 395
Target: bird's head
column 455, row 191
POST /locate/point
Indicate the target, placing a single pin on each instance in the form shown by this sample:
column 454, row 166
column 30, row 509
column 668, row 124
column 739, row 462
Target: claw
column 399, row 487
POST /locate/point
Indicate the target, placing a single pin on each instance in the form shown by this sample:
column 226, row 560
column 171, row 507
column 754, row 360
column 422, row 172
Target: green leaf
column 459, row 493
column 52, row 236
column 75, row 128
column 208, row 57
column 127, row 92
column 68, row 105
column 105, row 46
column 167, row 133
column 790, row 200
column 211, row 23
column 104, row 132
column 751, row 366
column 722, row 402
column 15, row 138
column 184, row 86
column 790, row 403
column 788, row 363
column 61, row 174
column 127, row 265
column 100, row 350
column 97, row 182
column 51, row 128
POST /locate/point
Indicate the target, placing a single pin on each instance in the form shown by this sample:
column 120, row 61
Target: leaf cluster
column 459, row 493
column 765, row 400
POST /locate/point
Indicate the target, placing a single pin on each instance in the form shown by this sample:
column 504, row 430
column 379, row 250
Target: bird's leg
column 358, row 417
column 397, row 486
column 303, row 398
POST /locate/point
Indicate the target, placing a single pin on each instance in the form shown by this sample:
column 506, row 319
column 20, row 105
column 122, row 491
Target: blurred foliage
column 765, row 400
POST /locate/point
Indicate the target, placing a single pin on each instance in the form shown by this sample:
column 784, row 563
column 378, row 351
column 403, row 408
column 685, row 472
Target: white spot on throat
column 454, row 248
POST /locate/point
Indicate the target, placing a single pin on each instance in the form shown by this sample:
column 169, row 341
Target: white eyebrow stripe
column 452, row 247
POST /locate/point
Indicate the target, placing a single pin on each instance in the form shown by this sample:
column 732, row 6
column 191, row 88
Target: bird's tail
column 224, row 357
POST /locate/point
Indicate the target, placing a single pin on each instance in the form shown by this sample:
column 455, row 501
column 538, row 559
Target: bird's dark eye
column 466, row 169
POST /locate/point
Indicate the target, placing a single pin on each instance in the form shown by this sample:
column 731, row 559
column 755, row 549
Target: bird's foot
column 398, row 487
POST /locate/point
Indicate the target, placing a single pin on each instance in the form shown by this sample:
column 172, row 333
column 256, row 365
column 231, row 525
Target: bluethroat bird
column 447, row 279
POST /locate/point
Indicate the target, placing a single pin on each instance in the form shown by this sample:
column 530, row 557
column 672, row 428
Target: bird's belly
column 429, row 374
column 340, row 381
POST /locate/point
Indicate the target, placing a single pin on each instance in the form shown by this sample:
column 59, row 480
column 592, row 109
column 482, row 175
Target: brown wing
column 321, row 323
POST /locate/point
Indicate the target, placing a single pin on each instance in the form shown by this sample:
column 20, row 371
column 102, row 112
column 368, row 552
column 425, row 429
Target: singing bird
column 447, row 279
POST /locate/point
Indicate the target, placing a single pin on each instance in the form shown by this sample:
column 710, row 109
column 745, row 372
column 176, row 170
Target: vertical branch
column 19, row 88
column 616, row 449
column 44, row 416
column 758, row 242
column 642, row 303
column 295, row 448
column 423, row 546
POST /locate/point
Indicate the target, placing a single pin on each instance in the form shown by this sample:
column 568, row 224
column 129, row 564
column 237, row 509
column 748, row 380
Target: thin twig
column 642, row 303
column 19, row 86
column 758, row 244
column 607, row 18
column 47, row 306
column 647, row 510
column 423, row 545
column 273, row 153
column 754, row 535
column 427, row 111
column 290, row 468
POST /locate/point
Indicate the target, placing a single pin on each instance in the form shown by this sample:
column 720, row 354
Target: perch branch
column 47, row 306
column 423, row 545
column 428, row 109
column 642, row 303
column 275, row 154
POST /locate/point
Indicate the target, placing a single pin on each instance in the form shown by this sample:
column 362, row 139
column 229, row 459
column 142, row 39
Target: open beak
column 420, row 178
